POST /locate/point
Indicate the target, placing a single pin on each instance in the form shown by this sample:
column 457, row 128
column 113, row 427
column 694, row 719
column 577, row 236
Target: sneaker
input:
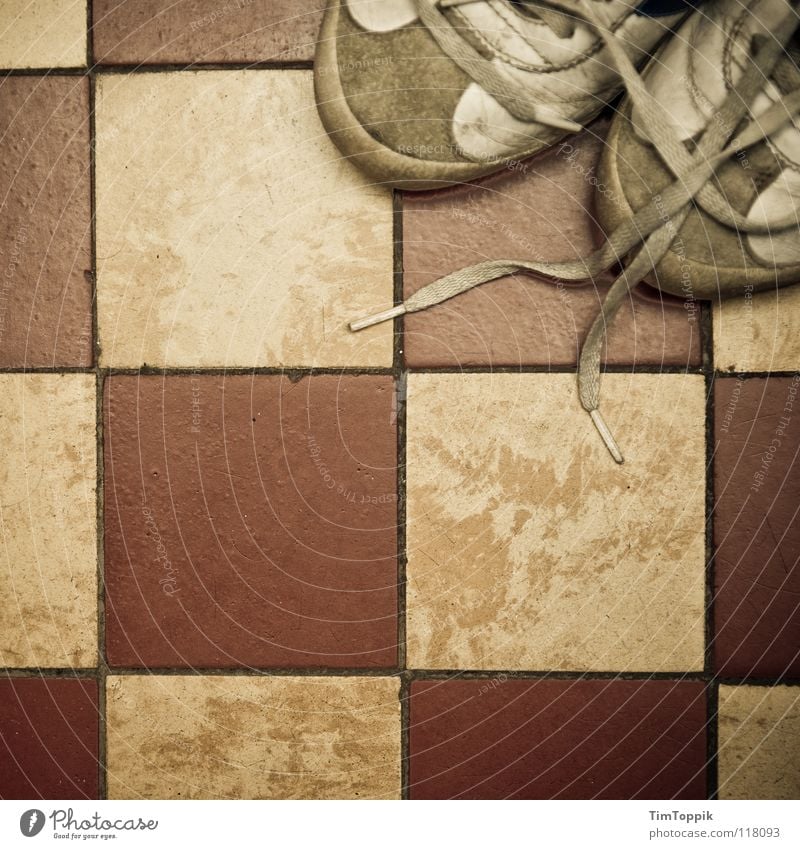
column 741, row 234
column 701, row 174
column 424, row 93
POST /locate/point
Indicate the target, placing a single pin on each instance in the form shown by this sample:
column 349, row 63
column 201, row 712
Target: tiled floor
column 248, row 554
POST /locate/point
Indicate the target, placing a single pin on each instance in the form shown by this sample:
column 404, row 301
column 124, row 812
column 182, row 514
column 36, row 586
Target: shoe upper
column 407, row 92
column 690, row 77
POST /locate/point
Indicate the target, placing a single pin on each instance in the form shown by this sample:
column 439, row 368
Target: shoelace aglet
column 376, row 318
column 605, row 433
column 551, row 119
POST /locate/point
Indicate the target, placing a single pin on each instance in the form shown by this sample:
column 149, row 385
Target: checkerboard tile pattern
column 248, row 554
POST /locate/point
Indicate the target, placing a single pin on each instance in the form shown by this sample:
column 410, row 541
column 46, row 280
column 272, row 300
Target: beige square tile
column 48, row 550
column 758, row 333
column 230, row 232
column 178, row 737
column 759, row 730
column 43, row 33
column 529, row 548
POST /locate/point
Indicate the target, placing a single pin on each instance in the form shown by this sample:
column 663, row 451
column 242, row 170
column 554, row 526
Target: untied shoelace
column 649, row 232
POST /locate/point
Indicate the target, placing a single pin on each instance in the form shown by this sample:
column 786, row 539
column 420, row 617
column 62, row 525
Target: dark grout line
column 42, row 672
column 400, row 406
column 47, row 370
column 712, row 740
column 402, row 477
column 294, row 373
column 639, row 368
column 101, row 608
column 156, row 68
column 89, row 34
column 388, row 672
column 747, row 375
column 552, row 675
column 178, row 67
column 692, row 675
column 102, row 743
column 259, row 671
column 298, row 372
column 405, row 735
column 709, row 494
column 733, row 681
column 44, row 72
column 707, row 345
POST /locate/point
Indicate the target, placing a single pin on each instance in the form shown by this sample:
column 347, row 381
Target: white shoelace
column 653, row 228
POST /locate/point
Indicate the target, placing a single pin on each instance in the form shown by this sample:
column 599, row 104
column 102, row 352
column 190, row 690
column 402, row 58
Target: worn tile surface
column 756, row 528
column 251, row 521
column 758, row 732
column 45, row 246
column 525, row 739
column 758, row 333
column 239, row 237
column 529, row 548
column 48, row 556
column 541, row 209
column 178, row 737
column 49, row 738
column 185, row 31
column 253, row 451
column 42, row 33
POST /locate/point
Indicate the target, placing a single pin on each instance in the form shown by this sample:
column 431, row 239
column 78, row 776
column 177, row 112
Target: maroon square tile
column 539, row 209
column 756, row 528
column 45, row 244
column 187, row 31
column 557, row 739
column 49, row 738
column 250, row 521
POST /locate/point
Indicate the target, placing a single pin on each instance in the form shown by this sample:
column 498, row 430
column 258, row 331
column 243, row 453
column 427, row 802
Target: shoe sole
column 383, row 165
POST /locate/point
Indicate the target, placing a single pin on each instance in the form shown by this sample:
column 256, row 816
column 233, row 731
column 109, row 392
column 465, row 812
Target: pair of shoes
column 701, row 168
